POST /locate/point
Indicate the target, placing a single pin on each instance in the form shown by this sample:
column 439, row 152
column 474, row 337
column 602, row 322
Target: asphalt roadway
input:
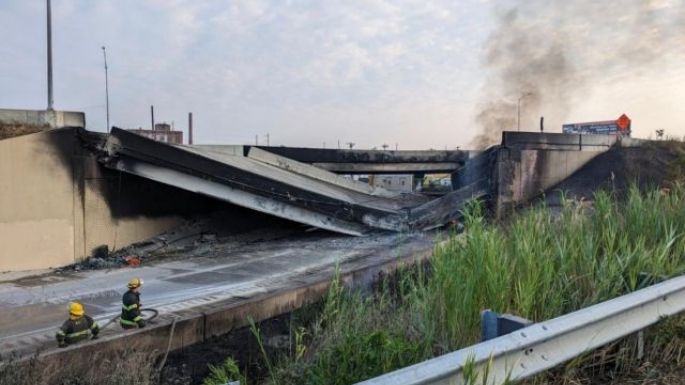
column 33, row 307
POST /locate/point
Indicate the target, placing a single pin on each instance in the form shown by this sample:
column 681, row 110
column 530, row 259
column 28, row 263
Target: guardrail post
column 494, row 325
column 488, row 323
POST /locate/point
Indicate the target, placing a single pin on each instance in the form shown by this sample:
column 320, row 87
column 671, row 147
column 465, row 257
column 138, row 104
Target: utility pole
column 152, row 117
column 104, row 54
column 518, row 111
column 267, row 139
column 51, row 101
column 190, row 128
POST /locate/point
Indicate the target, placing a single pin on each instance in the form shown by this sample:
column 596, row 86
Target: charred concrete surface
column 123, row 188
column 654, row 164
column 529, row 164
column 58, row 203
column 206, row 296
column 368, row 161
column 272, row 185
column 90, row 205
column 322, row 155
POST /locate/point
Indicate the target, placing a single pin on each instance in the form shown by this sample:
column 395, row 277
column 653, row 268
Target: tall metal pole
column 518, row 110
column 518, row 113
column 51, row 101
column 104, row 53
column 190, row 128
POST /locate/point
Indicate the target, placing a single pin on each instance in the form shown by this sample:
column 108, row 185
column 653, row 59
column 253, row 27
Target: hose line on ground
column 154, row 315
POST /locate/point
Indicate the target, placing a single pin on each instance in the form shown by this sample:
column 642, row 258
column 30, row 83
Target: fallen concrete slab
column 317, row 173
column 264, row 182
column 347, row 161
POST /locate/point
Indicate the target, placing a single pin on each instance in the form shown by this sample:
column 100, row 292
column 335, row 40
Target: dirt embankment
column 11, row 130
column 656, row 164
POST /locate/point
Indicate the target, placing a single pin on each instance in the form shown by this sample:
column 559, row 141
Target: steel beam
column 389, row 168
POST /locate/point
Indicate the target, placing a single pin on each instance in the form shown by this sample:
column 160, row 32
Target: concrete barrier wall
column 51, row 119
column 54, row 209
column 554, row 141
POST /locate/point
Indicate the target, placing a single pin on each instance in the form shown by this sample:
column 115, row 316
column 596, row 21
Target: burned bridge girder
column 349, row 161
column 277, row 186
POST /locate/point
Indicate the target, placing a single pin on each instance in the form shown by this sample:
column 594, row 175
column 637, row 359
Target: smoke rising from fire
column 551, row 54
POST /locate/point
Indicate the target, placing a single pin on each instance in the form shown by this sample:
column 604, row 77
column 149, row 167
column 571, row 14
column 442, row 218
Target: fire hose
column 154, row 314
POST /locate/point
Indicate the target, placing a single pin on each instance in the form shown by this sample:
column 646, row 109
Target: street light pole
column 104, row 54
column 51, row 101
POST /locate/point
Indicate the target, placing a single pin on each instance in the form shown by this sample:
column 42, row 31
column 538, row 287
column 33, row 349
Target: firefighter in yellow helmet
column 130, row 310
column 78, row 327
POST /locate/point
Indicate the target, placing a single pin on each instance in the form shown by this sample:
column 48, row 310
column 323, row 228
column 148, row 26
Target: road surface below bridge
column 33, row 307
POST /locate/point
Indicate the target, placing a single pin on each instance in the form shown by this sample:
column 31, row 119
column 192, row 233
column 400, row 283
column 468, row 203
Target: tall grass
column 539, row 265
column 543, row 265
column 107, row 368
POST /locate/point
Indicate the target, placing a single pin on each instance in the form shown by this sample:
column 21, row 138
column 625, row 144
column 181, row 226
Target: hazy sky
column 307, row 72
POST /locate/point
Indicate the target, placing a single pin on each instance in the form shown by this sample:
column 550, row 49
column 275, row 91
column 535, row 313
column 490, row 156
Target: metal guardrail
column 543, row 345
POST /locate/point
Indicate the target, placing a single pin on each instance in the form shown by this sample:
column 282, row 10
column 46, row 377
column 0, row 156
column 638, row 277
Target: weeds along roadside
column 123, row 368
column 539, row 265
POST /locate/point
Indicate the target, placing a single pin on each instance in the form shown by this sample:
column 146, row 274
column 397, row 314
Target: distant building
column 391, row 182
column 161, row 133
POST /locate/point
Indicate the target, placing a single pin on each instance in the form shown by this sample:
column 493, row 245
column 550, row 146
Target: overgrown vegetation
column 222, row 374
column 539, row 265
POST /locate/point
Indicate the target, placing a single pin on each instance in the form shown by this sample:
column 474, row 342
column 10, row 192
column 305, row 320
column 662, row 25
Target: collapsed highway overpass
column 273, row 184
column 73, row 191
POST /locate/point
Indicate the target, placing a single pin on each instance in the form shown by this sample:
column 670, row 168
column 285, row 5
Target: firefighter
column 78, row 327
column 130, row 310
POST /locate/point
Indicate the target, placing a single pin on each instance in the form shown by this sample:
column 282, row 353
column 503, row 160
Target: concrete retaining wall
column 523, row 174
column 53, row 207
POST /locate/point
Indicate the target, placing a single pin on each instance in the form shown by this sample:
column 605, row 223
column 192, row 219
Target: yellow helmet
column 135, row 282
column 76, row 309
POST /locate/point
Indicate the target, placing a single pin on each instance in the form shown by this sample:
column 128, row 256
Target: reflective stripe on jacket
column 130, row 309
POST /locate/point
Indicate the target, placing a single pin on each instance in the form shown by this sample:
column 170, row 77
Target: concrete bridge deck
column 268, row 183
column 211, row 295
